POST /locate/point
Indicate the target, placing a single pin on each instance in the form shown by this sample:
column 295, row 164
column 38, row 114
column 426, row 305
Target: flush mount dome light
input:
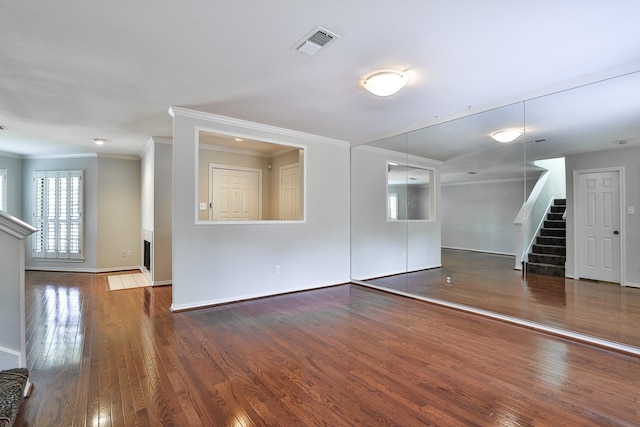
column 385, row 83
column 99, row 141
column 506, row 136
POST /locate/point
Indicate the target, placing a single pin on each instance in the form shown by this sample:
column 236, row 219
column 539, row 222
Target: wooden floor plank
column 337, row 356
column 489, row 282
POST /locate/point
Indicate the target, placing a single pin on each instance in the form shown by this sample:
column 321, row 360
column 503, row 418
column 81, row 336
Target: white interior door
column 599, row 226
column 235, row 194
column 290, row 192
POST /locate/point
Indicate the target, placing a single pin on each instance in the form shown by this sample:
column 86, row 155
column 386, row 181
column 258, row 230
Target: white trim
column 577, row 223
column 211, row 147
column 15, row 227
column 487, row 181
column 10, row 358
column 611, row 345
column 161, row 283
column 203, row 304
column 10, row 351
column 228, row 121
column 83, row 270
column 12, row 155
column 162, row 140
column 132, row 157
column 60, row 156
column 404, row 157
column 239, row 134
column 478, row 251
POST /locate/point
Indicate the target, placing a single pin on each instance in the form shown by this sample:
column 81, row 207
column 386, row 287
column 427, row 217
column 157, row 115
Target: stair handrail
column 532, row 212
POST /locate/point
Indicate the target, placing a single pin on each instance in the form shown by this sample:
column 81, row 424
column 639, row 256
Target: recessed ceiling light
column 99, row 141
column 506, row 136
column 238, row 139
column 621, row 142
column 385, row 83
column 3, row 127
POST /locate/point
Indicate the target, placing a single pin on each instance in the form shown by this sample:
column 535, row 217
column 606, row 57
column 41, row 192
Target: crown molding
column 398, row 155
column 15, row 227
column 228, row 121
column 61, row 156
column 12, row 155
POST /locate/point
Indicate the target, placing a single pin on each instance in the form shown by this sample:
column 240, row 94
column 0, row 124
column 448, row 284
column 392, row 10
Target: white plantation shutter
column 58, row 214
column 3, row 189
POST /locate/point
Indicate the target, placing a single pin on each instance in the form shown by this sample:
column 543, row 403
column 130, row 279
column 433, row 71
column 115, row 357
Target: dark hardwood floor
column 489, row 282
column 339, row 356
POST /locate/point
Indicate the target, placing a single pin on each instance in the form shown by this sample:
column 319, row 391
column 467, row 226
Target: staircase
column 549, row 252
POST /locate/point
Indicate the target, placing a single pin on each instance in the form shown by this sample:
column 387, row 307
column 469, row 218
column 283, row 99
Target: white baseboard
column 161, row 283
column 481, row 251
column 83, row 270
column 10, row 359
column 210, row 303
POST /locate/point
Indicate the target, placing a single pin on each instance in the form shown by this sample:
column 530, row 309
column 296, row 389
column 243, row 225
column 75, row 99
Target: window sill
column 40, row 259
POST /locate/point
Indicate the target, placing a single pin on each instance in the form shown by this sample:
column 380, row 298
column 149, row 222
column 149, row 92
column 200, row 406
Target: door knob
column 616, row 232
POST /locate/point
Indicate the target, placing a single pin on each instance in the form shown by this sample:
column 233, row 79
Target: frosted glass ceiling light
column 385, row 83
column 506, row 136
column 99, row 141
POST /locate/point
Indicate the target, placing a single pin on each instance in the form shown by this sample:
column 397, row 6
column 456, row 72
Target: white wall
column 630, row 159
column 380, row 247
column 215, row 263
column 13, row 165
column 479, row 216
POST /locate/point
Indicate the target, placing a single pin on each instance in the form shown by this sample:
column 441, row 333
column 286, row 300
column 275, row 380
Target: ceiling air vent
column 315, row 40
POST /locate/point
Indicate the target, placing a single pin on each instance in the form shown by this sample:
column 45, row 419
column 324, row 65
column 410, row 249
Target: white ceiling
column 71, row 71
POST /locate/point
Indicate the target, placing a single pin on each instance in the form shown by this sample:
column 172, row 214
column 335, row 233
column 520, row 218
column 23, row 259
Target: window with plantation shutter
column 3, row 190
column 57, row 214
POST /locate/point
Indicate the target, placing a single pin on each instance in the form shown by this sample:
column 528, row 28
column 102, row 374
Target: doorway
column 290, row 199
column 598, row 229
column 235, row 193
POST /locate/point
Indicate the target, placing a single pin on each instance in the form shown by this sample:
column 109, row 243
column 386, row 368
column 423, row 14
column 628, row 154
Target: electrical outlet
column 203, row 206
column 276, row 269
column 448, row 279
column 129, row 252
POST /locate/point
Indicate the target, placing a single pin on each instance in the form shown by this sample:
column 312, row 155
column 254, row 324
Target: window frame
column 60, row 228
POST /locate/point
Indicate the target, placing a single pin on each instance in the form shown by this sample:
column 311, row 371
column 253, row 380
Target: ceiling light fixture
column 385, row 83
column 506, row 136
column 238, row 139
column 99, row 141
